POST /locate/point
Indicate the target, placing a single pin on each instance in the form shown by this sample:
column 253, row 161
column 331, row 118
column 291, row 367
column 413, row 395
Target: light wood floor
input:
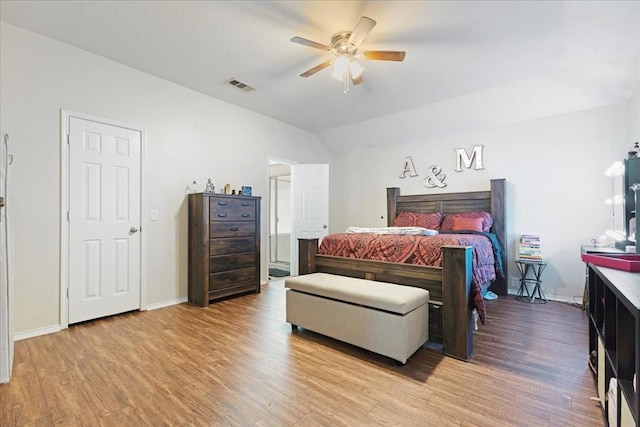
column 238, row 363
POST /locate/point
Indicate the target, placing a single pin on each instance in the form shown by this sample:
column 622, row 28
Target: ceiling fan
column 344, row 47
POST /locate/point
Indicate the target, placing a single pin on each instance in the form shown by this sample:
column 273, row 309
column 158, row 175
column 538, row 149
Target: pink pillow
column 487, row 221
column 460, row 223
column 418, row 219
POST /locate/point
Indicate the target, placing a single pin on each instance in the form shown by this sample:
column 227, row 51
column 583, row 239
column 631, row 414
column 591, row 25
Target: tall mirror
column 618, row 230
column 630, row 184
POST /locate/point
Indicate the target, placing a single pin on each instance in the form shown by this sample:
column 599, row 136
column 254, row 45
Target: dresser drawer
column 231, row 229
column 229, row 279
column 232, row 245
column 232, row 262
column 232, row 209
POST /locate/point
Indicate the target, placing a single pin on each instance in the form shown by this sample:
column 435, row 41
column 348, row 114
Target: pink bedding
column 420, row 250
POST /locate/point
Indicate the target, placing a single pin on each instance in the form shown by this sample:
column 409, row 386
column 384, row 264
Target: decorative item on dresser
column 224, row 246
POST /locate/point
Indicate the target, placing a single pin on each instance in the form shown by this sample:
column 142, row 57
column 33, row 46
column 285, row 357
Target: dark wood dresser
column 224, row 246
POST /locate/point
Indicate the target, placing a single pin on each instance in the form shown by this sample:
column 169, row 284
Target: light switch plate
column 154, row 214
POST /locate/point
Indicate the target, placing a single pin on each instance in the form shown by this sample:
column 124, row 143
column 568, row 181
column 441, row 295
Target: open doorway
column 280, row 220
column 298, row 208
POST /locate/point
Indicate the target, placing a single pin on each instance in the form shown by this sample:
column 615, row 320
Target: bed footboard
column 449, row 286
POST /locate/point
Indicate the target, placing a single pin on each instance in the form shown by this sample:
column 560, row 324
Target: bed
column 451, row 285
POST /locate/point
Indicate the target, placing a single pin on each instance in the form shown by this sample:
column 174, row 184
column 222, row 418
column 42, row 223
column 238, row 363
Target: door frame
column 292, row 240
column 294, row 255
column 65, row 117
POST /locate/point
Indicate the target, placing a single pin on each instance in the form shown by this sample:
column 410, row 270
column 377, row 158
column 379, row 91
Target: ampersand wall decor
column 435, row 178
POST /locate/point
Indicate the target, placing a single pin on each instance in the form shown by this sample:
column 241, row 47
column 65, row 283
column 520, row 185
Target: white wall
column 634, row 116
column 554, row 167
column 189, row 136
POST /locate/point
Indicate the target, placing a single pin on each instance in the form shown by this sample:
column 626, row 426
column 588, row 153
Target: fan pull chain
column 346, row 82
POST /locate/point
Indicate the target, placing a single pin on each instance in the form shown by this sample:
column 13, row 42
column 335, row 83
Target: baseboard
column 36, row 332
column 56, row 328
column 566, row 300
column 167, row 303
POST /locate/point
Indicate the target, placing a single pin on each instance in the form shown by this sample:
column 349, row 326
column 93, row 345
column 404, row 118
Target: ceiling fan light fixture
column 355, row 69
column 344, row 46
column 340, row 68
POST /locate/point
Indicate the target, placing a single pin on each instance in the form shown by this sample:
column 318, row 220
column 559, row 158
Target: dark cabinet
column 614, row 335
column 224, row 246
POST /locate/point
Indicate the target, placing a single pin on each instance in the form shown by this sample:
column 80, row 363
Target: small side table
column 537, row 267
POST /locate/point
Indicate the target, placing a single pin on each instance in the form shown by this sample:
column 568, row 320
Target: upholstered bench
column 388, row 319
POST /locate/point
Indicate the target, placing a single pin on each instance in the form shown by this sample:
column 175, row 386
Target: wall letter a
column 408, row 168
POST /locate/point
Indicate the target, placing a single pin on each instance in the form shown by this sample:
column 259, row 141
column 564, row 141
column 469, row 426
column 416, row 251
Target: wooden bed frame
column 450, row 307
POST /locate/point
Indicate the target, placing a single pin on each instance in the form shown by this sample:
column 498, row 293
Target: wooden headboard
column 489, row 201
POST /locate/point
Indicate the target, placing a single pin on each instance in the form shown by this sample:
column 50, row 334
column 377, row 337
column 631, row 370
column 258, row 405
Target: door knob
column 133, row 230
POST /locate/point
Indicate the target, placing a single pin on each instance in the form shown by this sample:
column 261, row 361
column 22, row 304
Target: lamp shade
column 355, row 69
column 340, row 68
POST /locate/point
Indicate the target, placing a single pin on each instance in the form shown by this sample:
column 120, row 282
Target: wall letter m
column 461, row 157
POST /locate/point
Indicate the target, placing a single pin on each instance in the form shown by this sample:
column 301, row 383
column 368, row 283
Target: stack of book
column 529, row 248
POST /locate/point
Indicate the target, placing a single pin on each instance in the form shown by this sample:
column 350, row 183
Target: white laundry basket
column 612, row 402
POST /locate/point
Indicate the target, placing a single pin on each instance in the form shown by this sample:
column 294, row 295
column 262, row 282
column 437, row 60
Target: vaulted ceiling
column 453, row 48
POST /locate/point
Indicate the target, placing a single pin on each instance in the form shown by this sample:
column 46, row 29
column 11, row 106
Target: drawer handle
column 245, row 215
column 245, row 204
column 222, row 215
column 234, row 228
column 222, row 202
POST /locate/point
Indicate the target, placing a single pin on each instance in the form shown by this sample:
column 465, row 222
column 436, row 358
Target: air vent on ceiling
column 239, row 85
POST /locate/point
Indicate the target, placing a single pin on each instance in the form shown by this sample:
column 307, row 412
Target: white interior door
column 6, row 279
column 104, row 220
column 311, row 205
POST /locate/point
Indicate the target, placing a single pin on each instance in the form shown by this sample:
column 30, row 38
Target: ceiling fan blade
column 361, row 31
column 385, row 55
column 317, row 68
column 310, row 43
column 357, row 80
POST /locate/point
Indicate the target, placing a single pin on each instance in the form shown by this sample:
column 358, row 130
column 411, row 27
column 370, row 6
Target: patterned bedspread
column 420, row 250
